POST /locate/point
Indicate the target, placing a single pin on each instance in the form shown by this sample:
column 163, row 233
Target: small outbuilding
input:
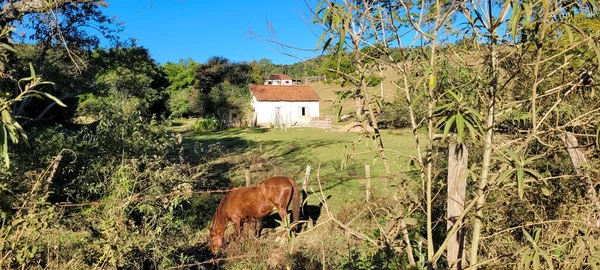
column 289, row 105
column 279, row 79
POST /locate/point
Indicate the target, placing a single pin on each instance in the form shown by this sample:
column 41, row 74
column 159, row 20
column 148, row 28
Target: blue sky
column 200, row 29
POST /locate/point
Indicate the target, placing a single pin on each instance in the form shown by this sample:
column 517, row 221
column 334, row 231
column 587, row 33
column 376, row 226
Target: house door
column 278, row 117
column 303, row 114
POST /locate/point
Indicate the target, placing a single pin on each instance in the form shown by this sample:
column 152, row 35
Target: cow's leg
column 237, row 225
column 282, row 212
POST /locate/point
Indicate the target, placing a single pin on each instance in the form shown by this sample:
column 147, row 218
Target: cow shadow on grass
column 308, row 214
column 196, row 257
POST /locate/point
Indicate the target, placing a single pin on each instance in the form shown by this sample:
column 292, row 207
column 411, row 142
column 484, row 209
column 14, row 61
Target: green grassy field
column 288, row 152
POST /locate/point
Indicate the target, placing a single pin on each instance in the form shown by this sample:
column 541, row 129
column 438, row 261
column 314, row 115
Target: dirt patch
column 356, row 127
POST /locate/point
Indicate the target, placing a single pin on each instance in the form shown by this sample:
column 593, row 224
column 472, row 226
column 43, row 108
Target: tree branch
column 15, row 10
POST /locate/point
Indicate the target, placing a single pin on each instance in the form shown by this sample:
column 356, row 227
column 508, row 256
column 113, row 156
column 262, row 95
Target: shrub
column 207, row 125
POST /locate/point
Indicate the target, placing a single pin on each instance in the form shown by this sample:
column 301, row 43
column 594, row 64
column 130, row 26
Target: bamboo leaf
column 528, row 12
column 528, row 258
column 536, row 260
column 53, row 98
column 528, row 236
column 32, row 71
column 515, row 18
column 471, row 130
column 548, row 260
column 596, row 51
column 533, row 173
column 523, row 257
column 598, row 137
column 546, row 192
column 8, row 48
column 448, row 125
column 505, row 175
column 441, row 107
column 460, row 126
column 440, row 121
column 453, row 94
column 512, row 154
column 520, row 182
column 432, row 81
column 6, row 118
column 4, row 145
column 569, row 33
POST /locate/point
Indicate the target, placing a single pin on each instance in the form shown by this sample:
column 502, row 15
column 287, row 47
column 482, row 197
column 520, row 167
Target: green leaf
column 448, row 125
column 4, row 146
column 567, row 29
column 505, row 175
column 460, row 126
column 548, row 260
column 598, row 137
column 432, row 81
column 520, row 182
column 6, row 117
column 592, row 44
column 536, row 260
column 528, row 12
column 441, row 107
column 515, row 18
column 546, row 191
column 528, row 236
column 49, row 96
column 471, row 130
column 8, row 48
column 512, row 154
column 32, row 71
column 533, row 173
column 327, row 44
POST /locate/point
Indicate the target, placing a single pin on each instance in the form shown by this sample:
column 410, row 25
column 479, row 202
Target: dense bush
column 207, row 124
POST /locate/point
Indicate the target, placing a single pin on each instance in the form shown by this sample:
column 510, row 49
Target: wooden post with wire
column 180, row 141
column 304, row 187
column 368, row 176
column 457, row 183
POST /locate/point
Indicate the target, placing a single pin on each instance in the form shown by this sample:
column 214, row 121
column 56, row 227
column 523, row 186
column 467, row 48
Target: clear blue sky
column 200, row 29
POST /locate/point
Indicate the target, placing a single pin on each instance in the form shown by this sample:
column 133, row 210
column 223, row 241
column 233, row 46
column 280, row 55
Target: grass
column 289, row 151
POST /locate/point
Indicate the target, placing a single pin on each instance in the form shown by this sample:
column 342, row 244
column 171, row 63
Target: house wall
column 289, row 111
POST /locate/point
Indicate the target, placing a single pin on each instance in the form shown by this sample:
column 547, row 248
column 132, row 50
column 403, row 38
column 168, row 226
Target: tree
column 212, row 75
column 548, row 49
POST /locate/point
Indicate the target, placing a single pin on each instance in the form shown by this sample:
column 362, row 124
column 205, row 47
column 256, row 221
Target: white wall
column 290, row 112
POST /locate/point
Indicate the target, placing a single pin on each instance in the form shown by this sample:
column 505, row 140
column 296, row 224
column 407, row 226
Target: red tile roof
column 283, row 92
column 279, row 77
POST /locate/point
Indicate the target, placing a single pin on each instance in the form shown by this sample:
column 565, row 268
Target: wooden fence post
column 305, row 186
column 368, row 176
column 579, row 161
column 180, row 141
column 247, row 172
column 457, row 184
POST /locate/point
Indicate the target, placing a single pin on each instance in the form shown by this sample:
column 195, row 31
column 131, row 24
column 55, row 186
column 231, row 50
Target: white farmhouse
column 276, row 105
column 279, row 79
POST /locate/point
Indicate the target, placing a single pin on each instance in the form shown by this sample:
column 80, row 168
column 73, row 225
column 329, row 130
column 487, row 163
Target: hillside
column 327, row 93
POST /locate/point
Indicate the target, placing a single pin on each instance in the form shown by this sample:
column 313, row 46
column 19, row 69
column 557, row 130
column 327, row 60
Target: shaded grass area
column 289, row 151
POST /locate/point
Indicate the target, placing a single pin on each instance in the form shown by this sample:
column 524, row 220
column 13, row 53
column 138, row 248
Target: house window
column 303, row 111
